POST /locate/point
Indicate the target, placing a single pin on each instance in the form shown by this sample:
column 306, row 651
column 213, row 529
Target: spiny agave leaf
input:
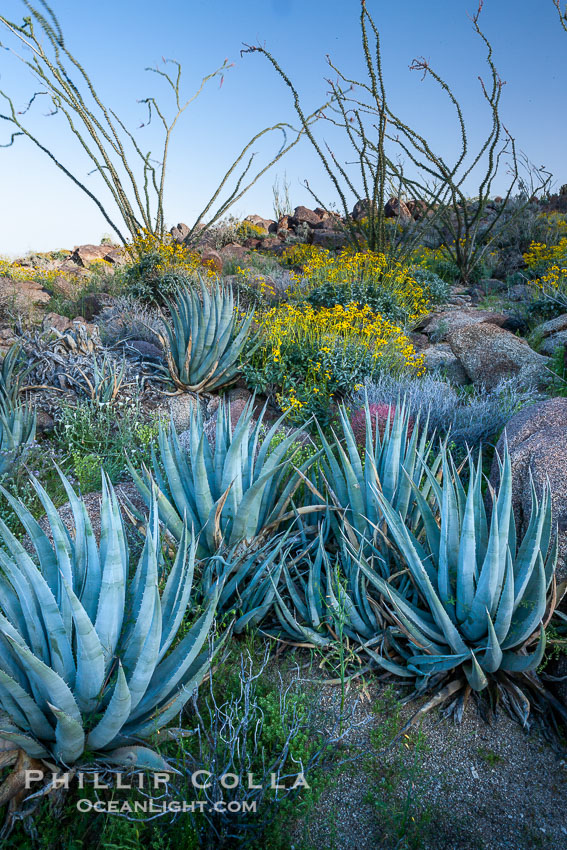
column 404, row 541
column 69, row 737
column 530, row 610
column 151, row 723
column 56, row 637
column 143, row 667
column 172, row 668
column 513, row 662
column 475, row 624
column 425, row 665
column 52, row 685
column 388, row 665
column 110, row 610
column 491, row 659
column 89, row 680
column 475, row 677
column 139, row 758
column 295, row 629
column 466, row 562
column 506, row 604
column 29, row 745
column 35, row 719
column 39, row 539
column 115, row 716
column 177, row 592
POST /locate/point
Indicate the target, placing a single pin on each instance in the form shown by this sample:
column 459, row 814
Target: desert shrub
column 469, row 417
column 547, row 265
column 95, row 436
column 159, row 267
column 127, row 318
column 308, row 358
column 386, row 286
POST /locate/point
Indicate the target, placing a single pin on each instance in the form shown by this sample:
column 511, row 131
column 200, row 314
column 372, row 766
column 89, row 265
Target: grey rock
column 490, row 354
column 537, row 441
column 550, row 345
column 440, row 325
column 439, row 359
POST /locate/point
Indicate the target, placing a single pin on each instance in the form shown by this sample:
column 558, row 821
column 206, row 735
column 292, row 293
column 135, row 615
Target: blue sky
column 40, row 209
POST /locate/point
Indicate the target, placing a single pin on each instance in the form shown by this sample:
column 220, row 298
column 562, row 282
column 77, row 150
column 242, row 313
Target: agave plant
column 229, row 494
column 12, row 373
column 17, row 432
column 390, row 464
column 91, row 655
column 101, row 383
column 481, row 594
column 205, row 340
column 323, row 594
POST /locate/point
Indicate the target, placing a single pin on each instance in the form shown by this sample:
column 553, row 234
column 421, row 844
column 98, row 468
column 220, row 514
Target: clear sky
column 116, row 39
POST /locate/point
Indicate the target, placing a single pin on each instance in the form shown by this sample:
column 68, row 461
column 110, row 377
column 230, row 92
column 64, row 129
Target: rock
column 145, row 350
column 54, row 320
column 520, row 292
column 116, row 256
column 21, row 295
column 273, row 244
column 550, row 345
column 553, row 326
column 418, row 209
column 84, row 255
column 490, row 285
column 233, row 252
column 93, row 304
column 178, row 408
column 440, row 325
column 439, row 359
column 362, row 209
column 284, row 223
column 490, row 354
column 303, row 215
column 180, row 233
column 45, row 422
column 211, row 259
column 396, row 208
column 537, row 441
column 329, row 239
column 264, row 223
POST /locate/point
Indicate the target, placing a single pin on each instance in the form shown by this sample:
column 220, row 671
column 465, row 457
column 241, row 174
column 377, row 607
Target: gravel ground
column 474, row 785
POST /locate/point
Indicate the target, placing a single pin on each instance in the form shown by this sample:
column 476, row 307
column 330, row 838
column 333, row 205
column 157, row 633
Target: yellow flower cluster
column 264, row 287
column 350, row 267
column 171, row 254
column 329, row 330
column 552, row 261
column 21, row 274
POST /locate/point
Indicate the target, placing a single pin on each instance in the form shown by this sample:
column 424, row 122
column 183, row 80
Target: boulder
column 324, row 238
column 211, row 259
column 537, row 441
column 362, row 209
column 439, row 359
column 440, row 325
column 179, row 408
column 180, row 233
column 303, row 215
column 84, row 255
column 263, row 223
column 20, row 296
column 550, row 345
column 553, row 326
column 396, row 208
column 490, row 354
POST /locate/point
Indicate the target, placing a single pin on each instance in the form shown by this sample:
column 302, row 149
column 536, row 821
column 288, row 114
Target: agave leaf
column 69, row 737
column 115, row 716
column 513, row 662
